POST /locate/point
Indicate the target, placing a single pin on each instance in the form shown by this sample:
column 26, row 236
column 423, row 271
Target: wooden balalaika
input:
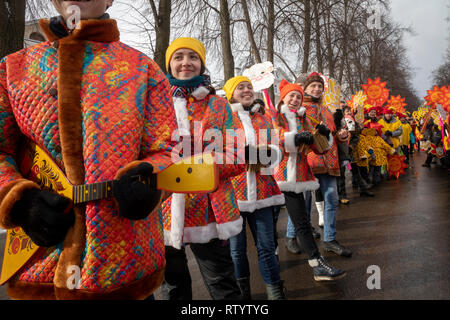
column 197, row 174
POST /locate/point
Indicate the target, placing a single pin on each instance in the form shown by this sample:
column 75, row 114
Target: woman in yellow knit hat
column 256, row 190
column 203, row 221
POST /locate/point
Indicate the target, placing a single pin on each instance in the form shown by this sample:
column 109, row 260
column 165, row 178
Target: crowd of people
column 105, row 111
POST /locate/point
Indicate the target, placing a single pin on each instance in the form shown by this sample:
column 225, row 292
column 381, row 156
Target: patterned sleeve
column 160, row 121
column 9, row 134
column 12, row 184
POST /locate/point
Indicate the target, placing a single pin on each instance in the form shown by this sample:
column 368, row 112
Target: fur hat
column 313, row 77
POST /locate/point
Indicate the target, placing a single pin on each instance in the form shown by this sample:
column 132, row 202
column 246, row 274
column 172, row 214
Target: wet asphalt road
column 403, row 230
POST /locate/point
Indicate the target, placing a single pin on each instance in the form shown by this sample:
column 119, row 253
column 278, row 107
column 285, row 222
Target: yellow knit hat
column 188, row 43
column 231, row 85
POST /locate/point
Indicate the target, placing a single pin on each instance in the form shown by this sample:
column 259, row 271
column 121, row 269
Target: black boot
column 315, row 234
column 334, row 246
column 323, row 271
column 244, row 286
column 276, row 291
column 292, row 245
column 366, row 193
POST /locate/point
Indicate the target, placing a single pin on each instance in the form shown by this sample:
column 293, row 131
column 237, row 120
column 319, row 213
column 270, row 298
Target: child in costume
column 102, row 111
column 256, row 191
column 294, row 176
column 204, row 221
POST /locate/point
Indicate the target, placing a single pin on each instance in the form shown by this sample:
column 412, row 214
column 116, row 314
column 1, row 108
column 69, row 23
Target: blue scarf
column 184, row 88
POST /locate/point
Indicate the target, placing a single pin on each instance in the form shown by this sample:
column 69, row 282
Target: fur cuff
column 230, row 229
column 251, row 206
column 298, row 187
column 289, row 142
column 9, row 195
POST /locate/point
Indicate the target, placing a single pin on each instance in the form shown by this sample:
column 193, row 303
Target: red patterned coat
column 293, row 173
column 328, row 162
column 199, row 218
column 257, row 190
column 98, row 107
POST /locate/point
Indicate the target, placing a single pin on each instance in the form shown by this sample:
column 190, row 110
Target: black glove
column 338, row 116
column 137, row 199
column 323, row 130
column 304, row 137
column 388, row 133
column 41, row 214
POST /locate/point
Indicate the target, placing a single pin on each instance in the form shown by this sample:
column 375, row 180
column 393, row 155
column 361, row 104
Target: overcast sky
column 426, row 48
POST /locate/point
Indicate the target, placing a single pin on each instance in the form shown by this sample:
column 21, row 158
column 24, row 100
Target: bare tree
column 161, row 18
column 441, row 75
column 12, row 26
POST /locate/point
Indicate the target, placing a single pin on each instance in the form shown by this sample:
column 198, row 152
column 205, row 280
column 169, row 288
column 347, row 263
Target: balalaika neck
column 96, row 191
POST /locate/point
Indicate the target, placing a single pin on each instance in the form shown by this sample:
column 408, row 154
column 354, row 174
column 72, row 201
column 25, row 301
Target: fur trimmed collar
column 89, row 30
column 286, row 111
column 238, row 107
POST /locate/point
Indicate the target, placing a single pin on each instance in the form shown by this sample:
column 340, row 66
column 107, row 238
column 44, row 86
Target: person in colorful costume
column 256, row 191
column 358, row 147
column 380, row 151
column 392, row 128
column 204, row 221
column 325, row 167
column 406, row 136
column 294, row 175
column 102, row 111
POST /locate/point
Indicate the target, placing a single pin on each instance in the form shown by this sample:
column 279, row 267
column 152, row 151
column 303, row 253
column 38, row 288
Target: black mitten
column 338, row 116
column 388, row 133
column 42, row 215
column 323, row 130
column 137, row 199
column 304, row 137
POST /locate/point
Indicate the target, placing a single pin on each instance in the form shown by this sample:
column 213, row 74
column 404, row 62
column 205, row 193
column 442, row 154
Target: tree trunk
column 344, row 43
column 270, row 40
column 318, row 35
column 162, row 30
column 227, row 54
column 12, row 26
column 251, row 38
column 307, row 39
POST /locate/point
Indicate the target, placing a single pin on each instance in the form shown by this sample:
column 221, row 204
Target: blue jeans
column 261, row 225
column 328, row 186
column 290, row 229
